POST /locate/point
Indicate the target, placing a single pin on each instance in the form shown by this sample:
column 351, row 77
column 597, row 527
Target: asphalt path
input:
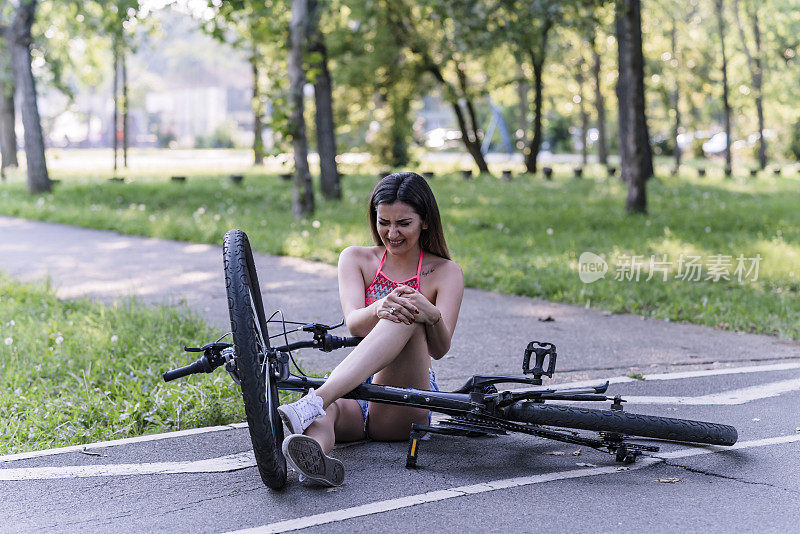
column 205, row 480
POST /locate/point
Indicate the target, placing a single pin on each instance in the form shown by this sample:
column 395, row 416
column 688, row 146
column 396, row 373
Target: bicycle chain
column 610, row 445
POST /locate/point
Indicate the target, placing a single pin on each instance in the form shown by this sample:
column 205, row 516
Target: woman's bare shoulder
column 360, row 254
column 439, row 267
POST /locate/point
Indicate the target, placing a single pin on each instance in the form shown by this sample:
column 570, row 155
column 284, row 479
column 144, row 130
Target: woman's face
column 399, row 226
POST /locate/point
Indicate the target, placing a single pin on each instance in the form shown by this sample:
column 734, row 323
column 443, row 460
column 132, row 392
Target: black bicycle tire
column 259, row 391
column 622, row 422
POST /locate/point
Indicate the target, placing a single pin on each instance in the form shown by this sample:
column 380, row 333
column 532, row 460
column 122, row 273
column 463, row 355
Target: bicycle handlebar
column 326, row 344
column 200, row 365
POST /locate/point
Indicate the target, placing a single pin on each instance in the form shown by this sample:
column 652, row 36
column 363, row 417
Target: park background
column 648, row 133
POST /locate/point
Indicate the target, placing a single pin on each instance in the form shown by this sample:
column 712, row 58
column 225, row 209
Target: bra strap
column 419, row 267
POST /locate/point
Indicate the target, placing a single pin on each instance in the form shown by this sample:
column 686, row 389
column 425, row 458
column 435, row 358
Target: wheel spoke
column 262, row 346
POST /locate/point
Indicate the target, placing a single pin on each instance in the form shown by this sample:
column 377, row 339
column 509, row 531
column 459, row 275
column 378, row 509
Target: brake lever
column 319, row 328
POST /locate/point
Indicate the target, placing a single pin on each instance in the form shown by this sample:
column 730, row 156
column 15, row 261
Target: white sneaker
column 305, row 456
column 299, row 414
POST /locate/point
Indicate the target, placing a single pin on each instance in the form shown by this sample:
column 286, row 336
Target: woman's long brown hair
column 412, row 189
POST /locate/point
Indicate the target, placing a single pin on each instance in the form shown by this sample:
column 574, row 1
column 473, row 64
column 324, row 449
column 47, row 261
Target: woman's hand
column 397, row 307
column 427, row 313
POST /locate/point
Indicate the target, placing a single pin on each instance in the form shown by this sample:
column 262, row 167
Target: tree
column 8, row 137
column 676, row 96
column 303, row 192
column 754, row 63
column 323, row 98
column 442, row 34
column 378, row 80
column 725, row 103
column 256, row 27
column 599, row 103
column 584, row 116
column 526, row 27
column 115, row 19
column 18, row 37
column 633, row 138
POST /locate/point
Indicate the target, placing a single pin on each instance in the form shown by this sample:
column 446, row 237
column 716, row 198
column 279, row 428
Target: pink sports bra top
column 382, row 285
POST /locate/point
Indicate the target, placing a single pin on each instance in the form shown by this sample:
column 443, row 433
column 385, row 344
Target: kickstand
column 413, row 446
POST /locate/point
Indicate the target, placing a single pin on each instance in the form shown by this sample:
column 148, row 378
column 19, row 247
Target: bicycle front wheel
column 251, row 339
column 630, row 424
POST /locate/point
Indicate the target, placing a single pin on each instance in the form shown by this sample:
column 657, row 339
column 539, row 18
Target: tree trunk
column 754, row 62
column 537, row 62
column 676, row 99
column 303, row 192
column 115, row 122
column 124, row 64
column 401, row 127
column 469, row 133
column 473, row 141
column 258, row 110
column 38, row 179
column 757, row 82
column 323, row 98
column 600, row 105
column 580, row 79
column 8, row 137
column 522, row 95
column 405, row 34
column 630, row 93
column 726, row 105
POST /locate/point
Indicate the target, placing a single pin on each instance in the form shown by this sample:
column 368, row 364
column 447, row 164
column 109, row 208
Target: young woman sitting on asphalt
column 403, row 296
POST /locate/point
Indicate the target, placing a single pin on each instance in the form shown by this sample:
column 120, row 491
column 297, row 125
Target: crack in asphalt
column 728, row 477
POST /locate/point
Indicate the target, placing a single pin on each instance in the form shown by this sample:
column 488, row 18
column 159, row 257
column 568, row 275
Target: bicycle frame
column 450, row 403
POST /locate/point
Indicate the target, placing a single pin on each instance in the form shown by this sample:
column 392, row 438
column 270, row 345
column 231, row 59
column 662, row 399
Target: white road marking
column 709, row 449
column 583, row 383
column 734, row 396
column 461, row 491
column 232, row 462
column 684, row 374
column 118, row 442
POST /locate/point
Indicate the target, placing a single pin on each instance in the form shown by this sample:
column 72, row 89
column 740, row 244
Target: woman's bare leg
column 342, row 422
column 408, row 369
column 376, row 351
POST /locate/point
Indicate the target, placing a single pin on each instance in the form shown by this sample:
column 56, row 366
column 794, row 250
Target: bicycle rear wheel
column 251, row 339
column 630, row 424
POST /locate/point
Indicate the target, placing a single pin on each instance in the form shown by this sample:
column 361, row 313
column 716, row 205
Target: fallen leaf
column 547, row 319
column 84, row 451
column 556, row 453
column 576, row 453
column 670, row 480
column 582, row 464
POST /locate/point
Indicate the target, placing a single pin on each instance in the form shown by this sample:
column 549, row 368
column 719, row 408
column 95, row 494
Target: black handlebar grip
column 199, row 366
column 352, row 341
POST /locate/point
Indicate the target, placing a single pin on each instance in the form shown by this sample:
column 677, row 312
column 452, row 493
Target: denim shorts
column 365, row 404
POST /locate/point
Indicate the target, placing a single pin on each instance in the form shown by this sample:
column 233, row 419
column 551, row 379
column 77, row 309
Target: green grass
column 78, row 371
column 522, row 237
